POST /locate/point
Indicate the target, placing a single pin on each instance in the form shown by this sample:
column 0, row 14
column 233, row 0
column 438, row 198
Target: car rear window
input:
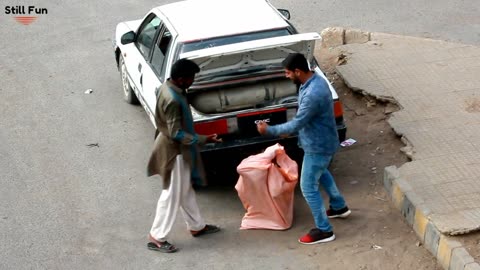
column 220, row 41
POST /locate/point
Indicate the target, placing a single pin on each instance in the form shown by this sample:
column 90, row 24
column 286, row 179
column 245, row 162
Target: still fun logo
column 27, row 14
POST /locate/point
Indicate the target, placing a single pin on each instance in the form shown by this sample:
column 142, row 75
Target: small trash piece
column 359, row 112
column 418, row 244
column 390, row 108
column 348, row 142
column 371, row 103
column 376, row 247
column 88, row 91
column 353, row 182
column 93, row 145
column 342, row 59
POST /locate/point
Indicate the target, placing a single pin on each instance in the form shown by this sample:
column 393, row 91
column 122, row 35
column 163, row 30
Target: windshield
column 220, row 41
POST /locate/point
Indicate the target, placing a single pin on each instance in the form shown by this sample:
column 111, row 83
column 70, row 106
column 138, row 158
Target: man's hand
column 213, row 138
column 262, row 128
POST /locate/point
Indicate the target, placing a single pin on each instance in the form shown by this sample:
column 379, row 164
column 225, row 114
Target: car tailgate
column 247, row 59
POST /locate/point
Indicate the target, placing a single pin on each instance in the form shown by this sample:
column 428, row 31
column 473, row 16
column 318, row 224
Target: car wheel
column 128, row 93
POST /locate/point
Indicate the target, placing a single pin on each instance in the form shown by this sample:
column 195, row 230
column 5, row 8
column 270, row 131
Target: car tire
column 128, row 93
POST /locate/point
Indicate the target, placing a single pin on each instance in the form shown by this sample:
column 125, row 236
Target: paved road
column 61, row 196
column 455, row 20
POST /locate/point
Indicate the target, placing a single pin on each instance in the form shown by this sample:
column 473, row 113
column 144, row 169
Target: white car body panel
column 201, row 19
column 282, row 43
column 190, row 20
column 123, row 28
column 146, row 92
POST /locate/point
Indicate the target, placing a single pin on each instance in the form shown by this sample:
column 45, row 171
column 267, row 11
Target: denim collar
column 305, row 85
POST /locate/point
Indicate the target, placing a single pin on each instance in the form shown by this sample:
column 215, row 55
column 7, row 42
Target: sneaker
column 316, row 236
column 341, row 213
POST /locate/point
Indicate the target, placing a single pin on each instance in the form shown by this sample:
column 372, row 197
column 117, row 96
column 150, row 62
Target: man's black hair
column 294, row 61
column 184, row 68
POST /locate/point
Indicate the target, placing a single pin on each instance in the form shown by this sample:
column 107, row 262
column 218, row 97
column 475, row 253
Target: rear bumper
column 259, row 143
column 253, row 144
column 220, row 160
column 342, row 133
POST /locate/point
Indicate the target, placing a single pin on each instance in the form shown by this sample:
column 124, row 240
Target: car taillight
column 337, row 108
column 221, row 126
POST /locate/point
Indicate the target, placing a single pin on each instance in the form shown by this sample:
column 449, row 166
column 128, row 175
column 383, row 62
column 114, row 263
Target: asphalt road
column 73, row 187
column 455, row 20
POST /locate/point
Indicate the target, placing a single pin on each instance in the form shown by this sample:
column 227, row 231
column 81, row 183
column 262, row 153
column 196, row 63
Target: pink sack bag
column 266, row 188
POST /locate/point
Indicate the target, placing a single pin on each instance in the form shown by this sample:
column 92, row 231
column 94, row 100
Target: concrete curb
column 336, row 36
column 449, row 253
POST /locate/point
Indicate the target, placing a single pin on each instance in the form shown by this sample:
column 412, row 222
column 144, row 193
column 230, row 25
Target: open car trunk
column 246, row 75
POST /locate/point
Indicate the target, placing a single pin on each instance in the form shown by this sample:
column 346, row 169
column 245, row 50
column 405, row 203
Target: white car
column 239, row 46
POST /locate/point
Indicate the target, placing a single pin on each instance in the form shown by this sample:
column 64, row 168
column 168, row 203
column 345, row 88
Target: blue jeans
column 315, row 172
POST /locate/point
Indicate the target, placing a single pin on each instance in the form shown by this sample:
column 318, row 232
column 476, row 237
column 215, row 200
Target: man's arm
column 304, row 114
column 173, row 114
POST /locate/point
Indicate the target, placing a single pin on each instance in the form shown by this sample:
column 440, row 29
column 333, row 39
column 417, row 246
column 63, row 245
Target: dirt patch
column 471, row 242
column 473, row 105
column 377, row 144
column 358, row 169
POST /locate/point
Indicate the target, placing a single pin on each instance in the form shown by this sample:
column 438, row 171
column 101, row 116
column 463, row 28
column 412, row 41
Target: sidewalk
column 437, row 85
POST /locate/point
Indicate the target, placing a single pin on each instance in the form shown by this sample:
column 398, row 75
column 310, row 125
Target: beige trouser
column 179, row 195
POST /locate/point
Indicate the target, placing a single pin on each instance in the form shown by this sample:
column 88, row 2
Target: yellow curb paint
column 397, row 196
column 444, row 253
column 420, row 224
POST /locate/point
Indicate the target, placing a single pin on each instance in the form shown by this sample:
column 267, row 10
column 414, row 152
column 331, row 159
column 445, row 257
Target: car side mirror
column 128, row 37
column 285, row 13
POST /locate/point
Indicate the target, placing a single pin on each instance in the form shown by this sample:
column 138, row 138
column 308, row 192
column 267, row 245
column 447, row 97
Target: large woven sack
column 266, row 188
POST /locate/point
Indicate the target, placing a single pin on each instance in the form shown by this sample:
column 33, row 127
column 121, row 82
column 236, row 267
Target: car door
column 155, row 75
column 136, row 60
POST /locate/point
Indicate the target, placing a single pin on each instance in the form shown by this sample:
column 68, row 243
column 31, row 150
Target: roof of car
column 203, row 19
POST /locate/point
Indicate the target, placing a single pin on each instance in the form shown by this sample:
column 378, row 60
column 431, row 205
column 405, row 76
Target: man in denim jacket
column 317, row 135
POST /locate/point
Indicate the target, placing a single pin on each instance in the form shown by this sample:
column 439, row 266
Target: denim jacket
column 314, row 121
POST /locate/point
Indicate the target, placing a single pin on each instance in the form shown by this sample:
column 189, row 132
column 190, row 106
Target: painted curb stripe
column 441, row 249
